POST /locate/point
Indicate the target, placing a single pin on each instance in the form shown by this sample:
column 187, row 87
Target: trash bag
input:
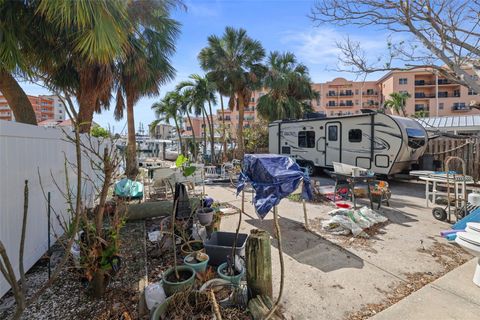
column 184, row 209
column 154, row 295
column 342, row 224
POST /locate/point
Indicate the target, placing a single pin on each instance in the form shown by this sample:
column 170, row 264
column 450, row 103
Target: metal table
column 349, row 182
column 434, row 181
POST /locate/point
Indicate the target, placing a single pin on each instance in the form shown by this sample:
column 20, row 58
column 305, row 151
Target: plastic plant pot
column 198, row 266
column 205, row 216
column 186, row 282
column 217, row 283
column 222, row 272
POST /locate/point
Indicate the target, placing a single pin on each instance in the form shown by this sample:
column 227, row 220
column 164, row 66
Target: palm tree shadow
column 308, row 248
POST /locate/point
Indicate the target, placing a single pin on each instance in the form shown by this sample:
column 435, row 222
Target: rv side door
column 333, row 143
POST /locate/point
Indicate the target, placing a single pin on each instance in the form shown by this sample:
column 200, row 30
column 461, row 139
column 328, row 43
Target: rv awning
column 451, row 123
column 273, row 177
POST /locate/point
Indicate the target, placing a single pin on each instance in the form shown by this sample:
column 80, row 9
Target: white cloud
column 205, row 11
column 319, row 45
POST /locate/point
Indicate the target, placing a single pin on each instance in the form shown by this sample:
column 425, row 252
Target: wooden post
column 259, row 264
column 307, row 227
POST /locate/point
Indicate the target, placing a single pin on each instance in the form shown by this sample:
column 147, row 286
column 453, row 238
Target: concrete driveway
column 332, row 277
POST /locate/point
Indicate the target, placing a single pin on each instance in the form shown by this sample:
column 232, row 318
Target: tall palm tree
column 202, row 91
column 146, row 65
column 187, row 108
column 289, row 90
column 168, row 109
column 44, row 37
column 234, row 61
column 397, row 102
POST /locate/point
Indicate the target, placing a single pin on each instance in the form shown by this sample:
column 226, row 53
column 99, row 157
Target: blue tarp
column 273, row 177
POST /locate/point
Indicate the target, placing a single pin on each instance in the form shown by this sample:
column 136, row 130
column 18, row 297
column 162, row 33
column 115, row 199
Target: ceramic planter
column 198, row 266
column 172, row 287
column 222, row 272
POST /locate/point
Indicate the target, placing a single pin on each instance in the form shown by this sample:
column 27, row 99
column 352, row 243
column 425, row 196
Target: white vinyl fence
column 26, row 151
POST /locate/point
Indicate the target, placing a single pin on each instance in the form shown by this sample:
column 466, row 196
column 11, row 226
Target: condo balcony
column 370, row 93
column 432, row 82
column 441, row 94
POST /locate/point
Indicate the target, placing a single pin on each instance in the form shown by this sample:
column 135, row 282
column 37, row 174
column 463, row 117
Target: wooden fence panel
column 467, row 149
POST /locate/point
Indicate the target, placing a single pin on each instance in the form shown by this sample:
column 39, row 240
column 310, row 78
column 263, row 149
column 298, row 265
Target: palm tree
column 168, row 109
column 289, row 90
column 397, row 102
column 201, row 91
column 234, row 61
column 45, row 37
column 146, row 65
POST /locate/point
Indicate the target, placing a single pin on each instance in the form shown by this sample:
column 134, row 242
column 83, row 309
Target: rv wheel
column 310, row 168
column 439, row 213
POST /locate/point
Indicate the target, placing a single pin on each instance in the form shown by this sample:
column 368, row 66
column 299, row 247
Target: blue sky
column 279, row 24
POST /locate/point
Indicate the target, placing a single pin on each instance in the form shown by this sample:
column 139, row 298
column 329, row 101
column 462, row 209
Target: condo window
column 440, row 106
column 306, row 139
column 419, row 107
column 402, row 81
column 471, row 92
column 355, row 135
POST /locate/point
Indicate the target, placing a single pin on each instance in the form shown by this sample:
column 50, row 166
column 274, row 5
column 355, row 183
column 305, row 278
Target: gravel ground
column 67, row 298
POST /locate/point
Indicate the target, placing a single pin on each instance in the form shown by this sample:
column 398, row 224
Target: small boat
column 127, row 188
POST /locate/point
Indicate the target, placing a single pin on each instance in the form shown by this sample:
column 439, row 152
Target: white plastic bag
column 154, row 295
column 342, row 221
column 154, row 236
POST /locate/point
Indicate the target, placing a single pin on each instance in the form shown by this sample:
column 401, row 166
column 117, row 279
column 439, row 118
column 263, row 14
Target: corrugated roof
column 470, row 122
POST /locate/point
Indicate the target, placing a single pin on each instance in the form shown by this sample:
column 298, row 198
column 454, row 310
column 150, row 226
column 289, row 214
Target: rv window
column 332, row 133
column 355, row 135
column 416, row 138
column 306, row 139
column 285, row 150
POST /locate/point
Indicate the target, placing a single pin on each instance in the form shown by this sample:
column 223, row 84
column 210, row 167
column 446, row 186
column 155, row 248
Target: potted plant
column 223, row 290
column 230, row 273
column 178, row 278
column 205, row 216
column 197, row 260
column 192, row 246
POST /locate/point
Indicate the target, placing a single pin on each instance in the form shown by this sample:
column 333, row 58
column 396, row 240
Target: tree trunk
column 212, row 132
column 241, row 112
column 131, row 156
column 224, row 130
column 17, row 99
column 98, row 283
column 204, row 133
column 86, row 106
column 194, row 140
column 179, row 136
column 212, row 156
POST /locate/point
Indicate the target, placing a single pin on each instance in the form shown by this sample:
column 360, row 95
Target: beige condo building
column 430, row 95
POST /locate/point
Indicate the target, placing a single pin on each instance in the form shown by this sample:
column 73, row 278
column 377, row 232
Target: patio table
column 350, row 182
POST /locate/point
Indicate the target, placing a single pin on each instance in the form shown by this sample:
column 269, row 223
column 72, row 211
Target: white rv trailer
column 381, row 143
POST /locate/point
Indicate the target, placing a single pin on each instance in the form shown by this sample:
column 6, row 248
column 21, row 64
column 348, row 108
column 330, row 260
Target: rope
column 447, row 151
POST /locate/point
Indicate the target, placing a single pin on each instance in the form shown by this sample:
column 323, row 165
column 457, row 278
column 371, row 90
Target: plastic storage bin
column 220, row 244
